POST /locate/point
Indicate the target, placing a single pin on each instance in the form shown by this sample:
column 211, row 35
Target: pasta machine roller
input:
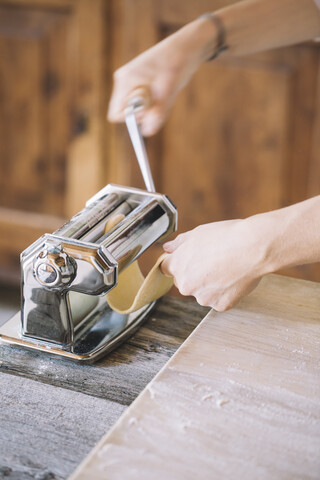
column 65, row 275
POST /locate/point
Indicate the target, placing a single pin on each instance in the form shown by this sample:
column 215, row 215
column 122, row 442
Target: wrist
column 199, row 39
column 266, row 230
column 220, row 35
column 289, row 236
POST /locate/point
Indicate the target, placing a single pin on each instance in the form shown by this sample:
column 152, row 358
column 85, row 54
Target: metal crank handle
column 138, row 101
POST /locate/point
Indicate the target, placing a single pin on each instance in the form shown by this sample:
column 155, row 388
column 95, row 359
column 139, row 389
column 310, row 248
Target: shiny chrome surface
column 46, row 311
column 138, row 145
column 99, row 333
column 86, row 219
column 140, row 229
column 81, row 259
column 54, row 268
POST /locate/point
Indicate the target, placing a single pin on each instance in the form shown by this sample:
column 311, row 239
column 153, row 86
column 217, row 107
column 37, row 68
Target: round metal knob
column 54, row 268
column 46, row 274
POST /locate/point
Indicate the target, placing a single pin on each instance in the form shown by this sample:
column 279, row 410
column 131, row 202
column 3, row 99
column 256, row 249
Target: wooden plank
column 46, row 431
column 240, row 399
column 122, row 375
column 176, row 13
column 230, row 172
column 61, row 5
column 304, row 91
column 86, row 156
column 314, row 173
column 52, row 117
column 33, row 46
column 18, row 230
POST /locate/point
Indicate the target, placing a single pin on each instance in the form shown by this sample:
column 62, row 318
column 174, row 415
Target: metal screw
column 46, row 273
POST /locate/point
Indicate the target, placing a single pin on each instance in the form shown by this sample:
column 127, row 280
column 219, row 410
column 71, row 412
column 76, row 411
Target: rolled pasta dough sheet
column 133, row 290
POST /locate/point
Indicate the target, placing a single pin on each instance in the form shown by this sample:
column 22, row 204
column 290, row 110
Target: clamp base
column 98, row 334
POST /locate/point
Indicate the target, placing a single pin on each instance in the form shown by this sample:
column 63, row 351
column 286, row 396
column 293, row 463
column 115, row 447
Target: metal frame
column 101, row 332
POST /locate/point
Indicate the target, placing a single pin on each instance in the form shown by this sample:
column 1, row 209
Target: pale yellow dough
column 133, row 290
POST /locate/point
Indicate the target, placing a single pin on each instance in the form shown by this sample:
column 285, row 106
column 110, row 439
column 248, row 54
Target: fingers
column 140, row 98
column 151, row 120
column 170, row 247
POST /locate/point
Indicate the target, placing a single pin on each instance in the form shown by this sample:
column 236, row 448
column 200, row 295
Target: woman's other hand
column 220, row 262
column 162, row 71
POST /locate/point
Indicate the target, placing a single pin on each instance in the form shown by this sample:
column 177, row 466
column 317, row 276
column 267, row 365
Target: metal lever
column 138, row 143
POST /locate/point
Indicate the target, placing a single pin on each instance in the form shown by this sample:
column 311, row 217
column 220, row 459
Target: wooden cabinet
column 242, row 138
column 52, row 116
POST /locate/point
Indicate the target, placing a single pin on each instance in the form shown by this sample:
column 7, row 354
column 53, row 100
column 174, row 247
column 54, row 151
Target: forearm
column 164, row 69
column 258, row 25
column 232, row 256
column 251, row 26
column 291, row 235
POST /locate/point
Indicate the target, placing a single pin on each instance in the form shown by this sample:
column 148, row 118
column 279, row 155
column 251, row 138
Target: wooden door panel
column 52, row 116
column 222, row 145
column 18, row 229
column 34, row 99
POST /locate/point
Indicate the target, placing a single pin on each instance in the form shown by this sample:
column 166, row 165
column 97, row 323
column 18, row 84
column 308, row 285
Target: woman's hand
column 219, row 262
column 163, row 71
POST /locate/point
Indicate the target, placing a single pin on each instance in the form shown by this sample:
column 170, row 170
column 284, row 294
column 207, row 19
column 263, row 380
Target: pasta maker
column 66, row 275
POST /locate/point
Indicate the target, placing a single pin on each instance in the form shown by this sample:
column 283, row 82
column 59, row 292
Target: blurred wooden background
column 243, row 137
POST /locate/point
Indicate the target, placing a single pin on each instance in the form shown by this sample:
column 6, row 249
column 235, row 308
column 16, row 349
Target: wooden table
column 52, row 412
column 239, row 400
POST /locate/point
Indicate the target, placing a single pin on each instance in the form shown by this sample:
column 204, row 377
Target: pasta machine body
column 65, row 276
